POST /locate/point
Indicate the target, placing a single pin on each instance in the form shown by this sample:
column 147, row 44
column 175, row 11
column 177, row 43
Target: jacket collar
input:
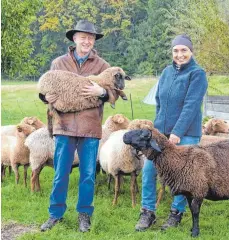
column 186, row 65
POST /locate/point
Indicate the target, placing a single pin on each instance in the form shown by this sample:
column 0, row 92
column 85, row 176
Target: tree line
column 138, row 33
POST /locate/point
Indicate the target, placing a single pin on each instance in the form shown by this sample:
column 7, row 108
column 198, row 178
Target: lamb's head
column 142, row 140
column 140, row 124
column 23, row 130
column 33, row 121
column 117, row 122
column 118, row 77
column 214, row 126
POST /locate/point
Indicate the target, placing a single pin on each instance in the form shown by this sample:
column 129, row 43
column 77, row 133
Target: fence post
column 131, row 105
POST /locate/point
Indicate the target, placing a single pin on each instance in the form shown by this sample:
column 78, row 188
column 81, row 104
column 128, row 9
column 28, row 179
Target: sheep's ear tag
column 154, row 145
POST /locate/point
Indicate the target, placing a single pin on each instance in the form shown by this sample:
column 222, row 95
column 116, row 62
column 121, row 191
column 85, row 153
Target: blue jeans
column 65, row 147
column 149, row 182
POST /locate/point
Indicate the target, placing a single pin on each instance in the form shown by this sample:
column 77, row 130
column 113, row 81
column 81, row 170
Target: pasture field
column 20, row 206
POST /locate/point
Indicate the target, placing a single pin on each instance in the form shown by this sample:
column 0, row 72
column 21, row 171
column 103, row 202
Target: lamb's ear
column 127, row 78
column 154, row 145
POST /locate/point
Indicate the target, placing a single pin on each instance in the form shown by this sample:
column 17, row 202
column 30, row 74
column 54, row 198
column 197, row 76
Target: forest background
column 137, row 33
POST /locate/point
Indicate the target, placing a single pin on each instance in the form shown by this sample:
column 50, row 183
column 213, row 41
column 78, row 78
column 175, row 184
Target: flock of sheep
column 29, row 144
column 198, row 172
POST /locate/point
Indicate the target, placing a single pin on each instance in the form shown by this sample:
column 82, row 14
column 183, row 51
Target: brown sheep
column 67, row 86
column 197, row 172
column 214, row 126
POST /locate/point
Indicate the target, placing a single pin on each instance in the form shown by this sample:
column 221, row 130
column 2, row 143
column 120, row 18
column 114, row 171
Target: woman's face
column 181, row 54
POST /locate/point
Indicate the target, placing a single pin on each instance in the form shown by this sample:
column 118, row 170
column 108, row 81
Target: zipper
column 175, row 76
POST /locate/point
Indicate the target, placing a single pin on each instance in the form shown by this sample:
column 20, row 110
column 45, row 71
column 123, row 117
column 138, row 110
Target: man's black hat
column 83, row 26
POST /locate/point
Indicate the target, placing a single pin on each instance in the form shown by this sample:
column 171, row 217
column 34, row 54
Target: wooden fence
column 217, row 107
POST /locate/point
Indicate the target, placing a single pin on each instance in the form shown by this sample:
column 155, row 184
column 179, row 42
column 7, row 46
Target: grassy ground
column 30, row 209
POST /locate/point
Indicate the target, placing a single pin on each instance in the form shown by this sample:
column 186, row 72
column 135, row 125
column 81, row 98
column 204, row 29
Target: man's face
column 181, row 54
column 84, row 42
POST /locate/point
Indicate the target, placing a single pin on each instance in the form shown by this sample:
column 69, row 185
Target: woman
column 179, row 96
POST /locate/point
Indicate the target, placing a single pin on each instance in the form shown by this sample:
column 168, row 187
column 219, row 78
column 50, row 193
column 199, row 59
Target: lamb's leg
column 15, row 169
column 117, row 188
column 160, row 195
column 3, row 171
column 132, row 188
column 194, row 205
column 25, row 174
column 49, row 120
column 37, row 182
column 111, row 98
column 10, row 170
column 136, row 186
column 109, row 178
column 122, row 95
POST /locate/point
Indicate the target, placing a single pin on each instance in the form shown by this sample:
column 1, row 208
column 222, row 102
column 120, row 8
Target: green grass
column 31, row 209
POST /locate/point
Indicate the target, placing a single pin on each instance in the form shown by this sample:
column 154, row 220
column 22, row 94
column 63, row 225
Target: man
column 79, row 130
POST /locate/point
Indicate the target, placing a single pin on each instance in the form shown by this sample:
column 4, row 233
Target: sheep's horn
column 113, row 105
column 154, row 145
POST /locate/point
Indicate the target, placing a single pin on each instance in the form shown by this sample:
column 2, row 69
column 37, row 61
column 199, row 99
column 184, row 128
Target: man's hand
column 93, row 90
column 174, row 139
column 51, row 98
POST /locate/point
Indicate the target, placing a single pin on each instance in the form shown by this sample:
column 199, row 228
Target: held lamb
column 118, row 159
column 197, row 172
column 67, row 86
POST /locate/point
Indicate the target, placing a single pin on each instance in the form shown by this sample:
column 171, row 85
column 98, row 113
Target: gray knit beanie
column 182, row 40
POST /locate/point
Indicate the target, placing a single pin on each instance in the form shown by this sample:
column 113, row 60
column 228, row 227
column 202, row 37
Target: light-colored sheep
column 214, row 126
column 14, row 152
column 118, row 159
column 10, row 130
column 67, row 86
column 197, row 172
column 42, row 146
column 208, row 139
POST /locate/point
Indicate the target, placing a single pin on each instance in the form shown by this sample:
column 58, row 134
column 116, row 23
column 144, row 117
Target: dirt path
column 12, row 230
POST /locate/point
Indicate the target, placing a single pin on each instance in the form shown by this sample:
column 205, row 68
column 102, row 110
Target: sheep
column 42, row 146
column 118, row 159
column 14, row 152
column 208, row 139
column 10, row 130
column 67, row 86
column 214, row 126
column 197, row 172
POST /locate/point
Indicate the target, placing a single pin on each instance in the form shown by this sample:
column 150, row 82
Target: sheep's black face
column 119, row 81
column 139, row 139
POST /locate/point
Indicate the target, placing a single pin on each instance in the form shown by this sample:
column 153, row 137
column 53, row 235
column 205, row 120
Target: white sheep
column 14, row 152
column 10, row 130
column 117, row 159
column 41, row 147
column 67, row 86
column 197, row 172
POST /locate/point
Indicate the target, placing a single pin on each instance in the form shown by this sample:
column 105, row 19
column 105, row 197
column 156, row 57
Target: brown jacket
column 87, row 123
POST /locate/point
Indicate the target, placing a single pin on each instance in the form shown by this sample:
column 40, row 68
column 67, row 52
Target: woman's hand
column 93, row 90
column 174, row 139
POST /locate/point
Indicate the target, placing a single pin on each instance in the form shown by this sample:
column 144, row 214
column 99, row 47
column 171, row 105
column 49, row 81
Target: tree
column 16, row 35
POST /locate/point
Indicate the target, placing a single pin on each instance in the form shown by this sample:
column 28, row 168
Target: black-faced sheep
column 197, row 172
column 67, row 86
column 118, row 159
